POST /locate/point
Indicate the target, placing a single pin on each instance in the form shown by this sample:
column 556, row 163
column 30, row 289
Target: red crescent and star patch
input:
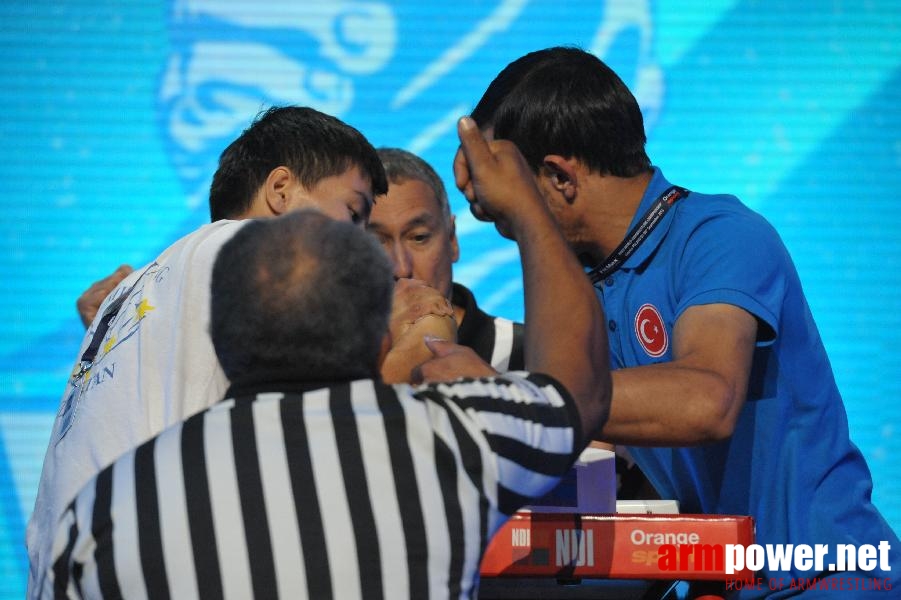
column 650, row 331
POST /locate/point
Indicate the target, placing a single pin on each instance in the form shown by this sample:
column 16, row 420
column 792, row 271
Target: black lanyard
column 90, row 353
column 109, row 314
column 637, row 235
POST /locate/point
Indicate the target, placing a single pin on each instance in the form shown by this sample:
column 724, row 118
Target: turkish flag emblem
column 650, row 331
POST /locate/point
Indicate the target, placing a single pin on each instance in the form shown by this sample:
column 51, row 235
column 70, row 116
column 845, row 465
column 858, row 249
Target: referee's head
column 300, row 297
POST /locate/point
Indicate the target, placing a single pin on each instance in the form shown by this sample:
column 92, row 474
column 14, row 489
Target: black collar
column 262, row 382
column 475, row 321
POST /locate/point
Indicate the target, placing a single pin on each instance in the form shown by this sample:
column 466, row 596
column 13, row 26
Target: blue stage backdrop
column 114, row 113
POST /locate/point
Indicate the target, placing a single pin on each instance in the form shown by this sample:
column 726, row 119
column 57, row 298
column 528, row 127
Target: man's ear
column 276, row 189
column 561, row 174
column 454, row 244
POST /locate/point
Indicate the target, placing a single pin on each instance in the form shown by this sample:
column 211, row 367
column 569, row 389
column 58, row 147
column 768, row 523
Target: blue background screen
column 114, row 113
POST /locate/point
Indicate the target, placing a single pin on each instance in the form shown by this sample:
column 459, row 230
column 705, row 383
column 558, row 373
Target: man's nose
column 403, row 266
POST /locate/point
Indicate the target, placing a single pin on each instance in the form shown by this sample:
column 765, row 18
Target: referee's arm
column 564, row 332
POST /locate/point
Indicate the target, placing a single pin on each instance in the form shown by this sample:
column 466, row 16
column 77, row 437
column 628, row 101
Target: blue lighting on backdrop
column 113, row 116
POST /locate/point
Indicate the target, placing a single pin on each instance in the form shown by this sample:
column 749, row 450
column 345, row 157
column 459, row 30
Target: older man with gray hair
column 415, row 226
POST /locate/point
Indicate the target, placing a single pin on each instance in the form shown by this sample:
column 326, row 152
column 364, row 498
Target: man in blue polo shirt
column 723, row 391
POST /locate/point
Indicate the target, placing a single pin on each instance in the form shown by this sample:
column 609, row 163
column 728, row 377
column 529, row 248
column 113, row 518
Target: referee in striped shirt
column 313, row 479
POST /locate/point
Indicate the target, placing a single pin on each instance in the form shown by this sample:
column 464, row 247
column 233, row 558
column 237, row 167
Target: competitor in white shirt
column 153, row 363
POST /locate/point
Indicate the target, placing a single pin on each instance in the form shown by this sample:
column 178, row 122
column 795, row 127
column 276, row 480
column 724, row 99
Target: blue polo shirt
column 790, row 462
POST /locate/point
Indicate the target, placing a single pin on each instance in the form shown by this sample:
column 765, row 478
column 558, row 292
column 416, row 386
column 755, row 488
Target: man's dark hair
column 311, row 144
column 566, row 101
column 300, row 297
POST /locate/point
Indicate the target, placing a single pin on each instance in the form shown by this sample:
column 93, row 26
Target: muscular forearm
column 564, row 335
column 698, row 396
column 669, row 405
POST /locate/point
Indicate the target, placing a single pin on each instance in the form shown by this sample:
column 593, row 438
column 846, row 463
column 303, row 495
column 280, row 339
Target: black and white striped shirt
column 355, row 490
column 498, row 341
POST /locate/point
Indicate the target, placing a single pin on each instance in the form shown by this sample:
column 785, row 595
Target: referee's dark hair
column 312, row 144
column 300, row 296
column 566, row 101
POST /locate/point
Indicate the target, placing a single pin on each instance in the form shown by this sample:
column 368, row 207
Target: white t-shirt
column 154, row 367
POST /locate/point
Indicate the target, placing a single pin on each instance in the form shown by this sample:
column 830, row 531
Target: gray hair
column 300, row 296
column 401, row 165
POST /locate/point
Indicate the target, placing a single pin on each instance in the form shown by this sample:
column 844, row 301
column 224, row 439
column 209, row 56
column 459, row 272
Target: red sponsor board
column 572, row 546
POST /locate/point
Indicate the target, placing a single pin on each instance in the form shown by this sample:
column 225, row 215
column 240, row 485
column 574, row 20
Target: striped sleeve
column 508, row 345
column 503, row 344
column 150, row 541
column 57, row 583
column 80, row 567
column 101, row 530
column 531, row 425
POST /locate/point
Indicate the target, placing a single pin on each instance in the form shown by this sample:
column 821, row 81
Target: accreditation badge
column 69, row 408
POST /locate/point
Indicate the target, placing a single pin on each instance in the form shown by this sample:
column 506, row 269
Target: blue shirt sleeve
column 733, row 256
